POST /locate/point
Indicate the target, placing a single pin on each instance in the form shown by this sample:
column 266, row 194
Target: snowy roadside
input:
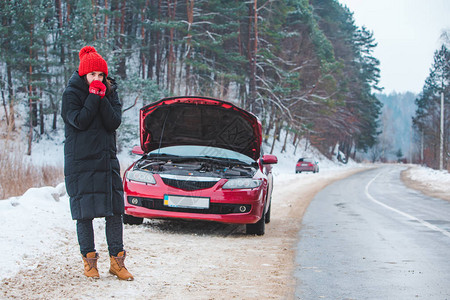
column 39, row 221
column 30, row 225
column 170, row 259
column 431, row 182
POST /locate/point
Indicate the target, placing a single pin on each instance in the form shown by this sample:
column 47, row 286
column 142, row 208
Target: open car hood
column 199, row 121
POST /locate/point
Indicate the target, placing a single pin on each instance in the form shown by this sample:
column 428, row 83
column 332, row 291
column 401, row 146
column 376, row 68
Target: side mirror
column 268, row 159
column 137, row 150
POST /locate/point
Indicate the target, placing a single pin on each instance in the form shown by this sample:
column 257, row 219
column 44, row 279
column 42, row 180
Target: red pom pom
column 91, row 61
column 85, row 50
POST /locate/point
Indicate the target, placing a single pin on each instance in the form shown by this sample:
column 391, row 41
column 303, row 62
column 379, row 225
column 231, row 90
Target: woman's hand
column 97, row 87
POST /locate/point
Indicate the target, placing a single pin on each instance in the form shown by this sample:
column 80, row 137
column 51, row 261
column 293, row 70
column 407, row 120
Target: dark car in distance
column 306, row 165
column 201, row 159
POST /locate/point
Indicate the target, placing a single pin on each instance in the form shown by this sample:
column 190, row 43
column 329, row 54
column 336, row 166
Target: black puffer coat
column 91, row 168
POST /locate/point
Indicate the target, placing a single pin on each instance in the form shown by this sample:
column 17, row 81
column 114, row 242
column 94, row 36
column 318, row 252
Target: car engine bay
column 196, row 167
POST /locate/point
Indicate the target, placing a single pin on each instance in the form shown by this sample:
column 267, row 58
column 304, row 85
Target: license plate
column 186, row 201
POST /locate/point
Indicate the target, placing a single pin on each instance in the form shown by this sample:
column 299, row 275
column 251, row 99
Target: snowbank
column 32, row 224
column 434, row 180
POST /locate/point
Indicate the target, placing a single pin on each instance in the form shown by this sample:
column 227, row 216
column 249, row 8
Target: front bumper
column 239, row 206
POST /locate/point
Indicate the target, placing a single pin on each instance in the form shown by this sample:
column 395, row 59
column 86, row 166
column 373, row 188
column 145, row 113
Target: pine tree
column 427, row 118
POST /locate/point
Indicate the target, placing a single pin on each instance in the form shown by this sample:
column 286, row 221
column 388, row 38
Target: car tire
column 130, row 220
column 258, row 228
column 267, row 218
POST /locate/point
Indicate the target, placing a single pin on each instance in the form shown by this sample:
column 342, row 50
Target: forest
column 396, row 139
column 302, row 66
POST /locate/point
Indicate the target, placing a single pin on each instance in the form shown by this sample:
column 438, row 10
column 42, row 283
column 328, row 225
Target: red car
column 306, row 165
column 201, row 159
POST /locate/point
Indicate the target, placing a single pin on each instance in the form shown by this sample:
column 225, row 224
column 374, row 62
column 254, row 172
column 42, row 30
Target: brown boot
column 118, row 267
column 90, row 265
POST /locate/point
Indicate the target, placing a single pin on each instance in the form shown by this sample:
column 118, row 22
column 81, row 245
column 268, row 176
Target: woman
column 92, row 112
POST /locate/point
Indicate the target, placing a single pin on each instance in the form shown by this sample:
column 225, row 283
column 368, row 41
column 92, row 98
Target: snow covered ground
column 434, row 179
column 39, row 222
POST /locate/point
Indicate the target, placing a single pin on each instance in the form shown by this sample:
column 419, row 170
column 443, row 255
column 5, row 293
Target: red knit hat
column 91, row 61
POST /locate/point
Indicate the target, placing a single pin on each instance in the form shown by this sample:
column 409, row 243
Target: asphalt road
column 370, row 237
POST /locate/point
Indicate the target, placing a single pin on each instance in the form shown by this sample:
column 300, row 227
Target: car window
column 202, row 151
column 307, row 160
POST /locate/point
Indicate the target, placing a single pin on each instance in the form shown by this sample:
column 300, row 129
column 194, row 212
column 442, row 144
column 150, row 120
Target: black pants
column 114, row 235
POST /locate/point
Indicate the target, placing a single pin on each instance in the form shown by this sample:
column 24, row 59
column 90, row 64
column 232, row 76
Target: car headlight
column 242, row 183
column 141, row 176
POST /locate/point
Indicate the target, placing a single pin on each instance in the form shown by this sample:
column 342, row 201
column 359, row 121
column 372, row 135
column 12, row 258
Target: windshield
column 306, row 160
column 202, row 151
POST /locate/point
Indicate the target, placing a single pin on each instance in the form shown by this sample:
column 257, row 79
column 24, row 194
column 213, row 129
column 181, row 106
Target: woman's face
column 95, row 75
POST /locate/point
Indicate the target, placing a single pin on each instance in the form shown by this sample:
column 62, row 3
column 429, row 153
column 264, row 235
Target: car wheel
column 267, row 218
column 130, row 220
column 258, row 228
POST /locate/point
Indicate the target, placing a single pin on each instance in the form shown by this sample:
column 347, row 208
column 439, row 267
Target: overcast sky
column 408, row 33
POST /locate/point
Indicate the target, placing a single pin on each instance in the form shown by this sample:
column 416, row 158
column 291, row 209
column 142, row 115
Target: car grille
column 214, row 208
column 188, row 185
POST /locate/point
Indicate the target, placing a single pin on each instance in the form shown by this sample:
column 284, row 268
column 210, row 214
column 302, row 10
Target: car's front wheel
column 267, row 218
column 258, row 228
column 130, row 220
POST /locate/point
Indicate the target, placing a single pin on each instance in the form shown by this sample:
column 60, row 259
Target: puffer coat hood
column 91, row 167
